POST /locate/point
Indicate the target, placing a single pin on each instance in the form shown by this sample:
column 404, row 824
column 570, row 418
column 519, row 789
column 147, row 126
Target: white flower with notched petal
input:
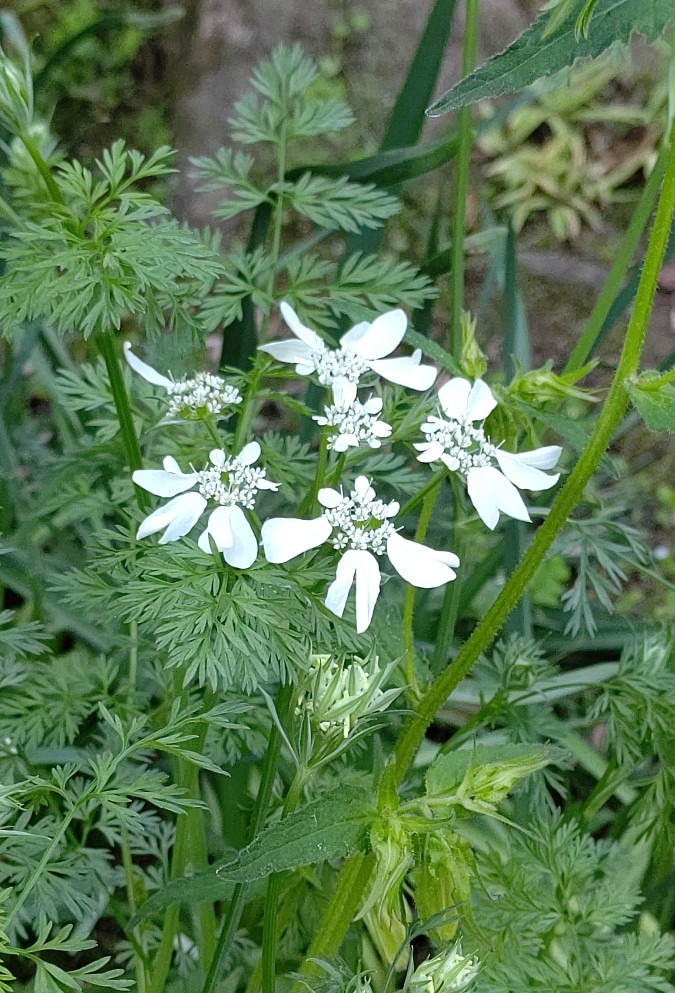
column 360, row 526
column 356, row 423
column 231, row 483
column 192, row 397
column 362, row 348
column 459, row 444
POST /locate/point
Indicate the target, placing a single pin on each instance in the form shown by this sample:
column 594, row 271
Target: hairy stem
column 269, row 771
column 409, row 601
column 132, row 447
column 465, row 127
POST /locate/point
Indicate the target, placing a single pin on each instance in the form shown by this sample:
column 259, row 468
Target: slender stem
column 132, row 448
column 42, row 168
column 336, row 475
column 131, row 899
column 448, row 615
column 269, row 771
column 610, row 416
column 465, row 128
column 276, row 229
column 623, row 258
column 269, row 937
column 421, row 494
column 409, row 601
column 40, row 867
column 309, row 504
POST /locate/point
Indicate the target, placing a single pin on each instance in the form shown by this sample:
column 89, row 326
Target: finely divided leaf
column 329, row 828
column 538, row 53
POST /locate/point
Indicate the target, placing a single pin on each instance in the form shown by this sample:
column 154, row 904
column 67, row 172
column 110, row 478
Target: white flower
column 360, row 526
column 356, row 422
column 459, row 444
column 231, row 483
column 362, row 348
column 188, row 397
column 448, row 972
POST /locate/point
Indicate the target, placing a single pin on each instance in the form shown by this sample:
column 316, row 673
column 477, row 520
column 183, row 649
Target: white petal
column 249, row 454
column 163, row 483
column 305, row 334
column 407, row 371
column 354, row 334
column 233, row 535
column 296, row 352
column 178, row 516
column 329, row 497
column 381, row 429
column 380, row 338
column 344, row 393
column 217, row 457
column 146, row 371
column 345, row 441
column 541, row 458
column 285, row 537
column 364, row 489
column 430, row 451
column 453, row 397
column 481, row 402
column 490, row 492
column 522, row 473
column 420, row 565
column 364, row 567
column 373, row 405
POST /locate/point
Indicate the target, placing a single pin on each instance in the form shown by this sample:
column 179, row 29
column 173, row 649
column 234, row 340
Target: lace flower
column 362, row 348
column 361, row 527
column 231, row 483
column 356, row 422
column 188, row 397
column 460, row 444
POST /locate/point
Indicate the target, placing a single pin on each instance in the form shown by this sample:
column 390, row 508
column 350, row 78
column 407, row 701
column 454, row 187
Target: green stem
column 132, row 448
column 277, row 229
column 310, row 503
column 40, row 867
column 131, row 899
column 610, row 416
column 421, row 494
column 622, row 260
column 269, row 771
column 409, row 601
column 448, row 615
column 269, row 937
column 465, row 128
column 42, row 168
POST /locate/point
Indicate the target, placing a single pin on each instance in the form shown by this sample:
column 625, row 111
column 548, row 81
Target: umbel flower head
column 361, row 527
column 363, row 348
column 231, row 483
column 355, row 423
column 338, row 694
column 191, row 397
column 492, row 475
column 447, row 972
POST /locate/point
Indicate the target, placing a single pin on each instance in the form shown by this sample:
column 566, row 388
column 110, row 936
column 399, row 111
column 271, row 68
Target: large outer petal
column 310, row 338
column 162, row 482
column 525, row 470
column 380, row 338
column 146, row 371
column 296, row 352
column 481, row 402
column 407, row 371
column 285, row 537
column 420, row 565
column 453, row 397
column 233, row 535
column 178, row 516
column 491, row 492
column 363, row 566
column 249, row 454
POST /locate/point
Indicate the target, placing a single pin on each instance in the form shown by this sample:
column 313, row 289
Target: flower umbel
column 231, row 483
column 462, row 446
column 192, row 397
column 356, row 423
column 338, row 694
column 361, row 527
column 362, row 348
column 448, row 972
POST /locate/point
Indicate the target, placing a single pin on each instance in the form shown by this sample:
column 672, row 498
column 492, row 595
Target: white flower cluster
column 356, row 524
column 194, row 397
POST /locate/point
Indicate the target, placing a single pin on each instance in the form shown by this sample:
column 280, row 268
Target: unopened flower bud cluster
column 203, row 392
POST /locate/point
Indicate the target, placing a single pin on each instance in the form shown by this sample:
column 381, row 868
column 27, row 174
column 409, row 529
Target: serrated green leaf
column 329, row 828
column 537, row 54
column 656, row 407
column 485, row 773
column 201, row 887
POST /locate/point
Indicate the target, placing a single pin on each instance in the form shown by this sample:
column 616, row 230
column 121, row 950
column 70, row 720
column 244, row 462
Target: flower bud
column 441, row 883
column 16, row 95
column 448, row 972
column 472, row 360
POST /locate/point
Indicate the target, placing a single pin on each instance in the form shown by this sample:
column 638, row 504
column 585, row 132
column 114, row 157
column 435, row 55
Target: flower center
column 466, row 446
column 354, row 425
column 361, row 523
column 200, row 395
column 231, row 483
column 339, row 363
